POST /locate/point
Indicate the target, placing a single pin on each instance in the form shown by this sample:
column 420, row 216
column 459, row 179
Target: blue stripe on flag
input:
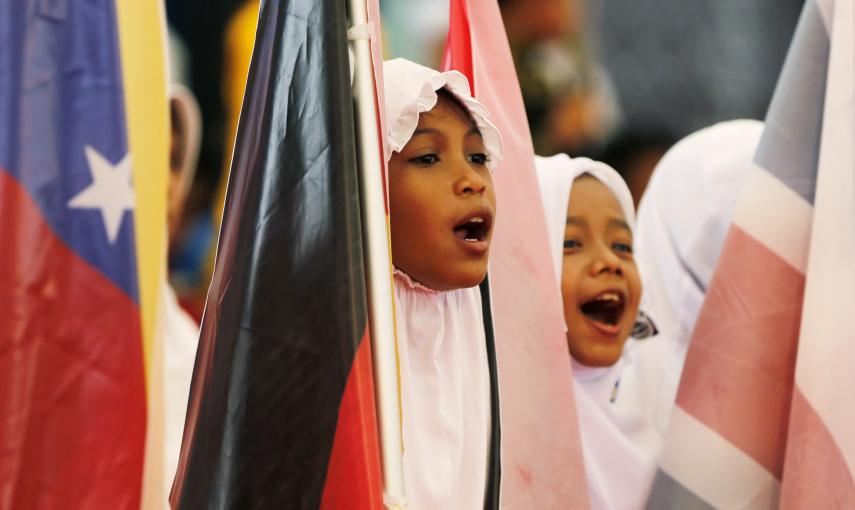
column 61, row 83
column 789, row 148
column 669, row 494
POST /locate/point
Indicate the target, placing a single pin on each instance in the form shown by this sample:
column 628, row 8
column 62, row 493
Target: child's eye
column 425, row 159
column 572, row 244
column 479, row 158
column 622, row 247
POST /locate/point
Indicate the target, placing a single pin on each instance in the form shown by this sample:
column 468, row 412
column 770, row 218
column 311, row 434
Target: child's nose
column 605, row 261
column 470, row 181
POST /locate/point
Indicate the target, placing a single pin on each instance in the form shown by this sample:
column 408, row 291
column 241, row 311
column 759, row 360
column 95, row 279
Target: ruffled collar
column 408, row 282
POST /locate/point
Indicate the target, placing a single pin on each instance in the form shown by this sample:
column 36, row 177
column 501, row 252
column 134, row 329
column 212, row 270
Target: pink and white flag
column 781, row 298
column 541, row 455
column 820, row 464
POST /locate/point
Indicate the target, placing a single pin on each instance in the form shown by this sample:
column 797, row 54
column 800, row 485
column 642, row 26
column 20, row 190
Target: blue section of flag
column 61, row 90
column 789, row 148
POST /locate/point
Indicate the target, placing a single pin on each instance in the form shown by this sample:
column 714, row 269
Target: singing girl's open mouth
column 473, row 230
column 605, row 311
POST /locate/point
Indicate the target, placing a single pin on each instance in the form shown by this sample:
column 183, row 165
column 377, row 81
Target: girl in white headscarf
column 683, row 219
column 441, row 149
column 618, row 380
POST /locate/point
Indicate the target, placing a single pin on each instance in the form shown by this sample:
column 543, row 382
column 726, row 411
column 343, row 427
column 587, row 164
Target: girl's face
column 442, row 201
column 600, row 282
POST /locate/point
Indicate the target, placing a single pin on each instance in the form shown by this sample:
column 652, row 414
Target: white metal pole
column 378, row 262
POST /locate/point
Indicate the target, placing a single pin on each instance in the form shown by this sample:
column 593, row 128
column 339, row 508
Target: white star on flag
column 111, row 191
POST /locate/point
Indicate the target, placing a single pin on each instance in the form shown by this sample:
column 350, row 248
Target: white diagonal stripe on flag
column 821, row 444
column 727, row 477
column 777, row 216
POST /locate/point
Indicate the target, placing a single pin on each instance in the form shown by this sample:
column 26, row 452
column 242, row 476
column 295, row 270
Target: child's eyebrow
column 613, row 223
column 474, row 131
column 619, row 223
column 434, row 131
column 426, row 131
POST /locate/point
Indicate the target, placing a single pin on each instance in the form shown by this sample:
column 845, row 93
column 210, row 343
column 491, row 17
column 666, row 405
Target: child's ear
column 187, row 133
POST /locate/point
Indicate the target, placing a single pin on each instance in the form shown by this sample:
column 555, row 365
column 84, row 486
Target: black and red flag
column 282, row 412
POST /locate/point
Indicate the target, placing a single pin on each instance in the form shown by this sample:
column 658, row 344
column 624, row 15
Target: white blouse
column 445, row 393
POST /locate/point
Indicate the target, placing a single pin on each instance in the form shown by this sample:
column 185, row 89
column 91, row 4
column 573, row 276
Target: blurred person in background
column 238, row 42
column 201, row 26
column 568, row 97
column 621, row 80
column 182, row 330
column 415, row 30
column 680, row 66
column 634, row 154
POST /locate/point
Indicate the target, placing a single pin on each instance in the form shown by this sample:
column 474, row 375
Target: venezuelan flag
column 83, row 167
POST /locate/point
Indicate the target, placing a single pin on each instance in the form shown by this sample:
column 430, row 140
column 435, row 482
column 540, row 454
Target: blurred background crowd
column 616, row 80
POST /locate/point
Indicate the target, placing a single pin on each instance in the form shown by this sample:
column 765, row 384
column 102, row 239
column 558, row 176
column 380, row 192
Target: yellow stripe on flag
column 141, row 32
column 142, row 36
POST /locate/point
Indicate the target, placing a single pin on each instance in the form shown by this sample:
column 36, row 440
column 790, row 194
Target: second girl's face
column 442, row 201
column 600, row 282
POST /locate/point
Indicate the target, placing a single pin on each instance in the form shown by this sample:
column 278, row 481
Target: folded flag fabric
column 281, row 411
column 541, row 451
column 82, row 225
column 740, row 424
column 819, row 467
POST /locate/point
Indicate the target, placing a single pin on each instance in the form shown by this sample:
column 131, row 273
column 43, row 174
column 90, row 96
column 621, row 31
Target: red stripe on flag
column 540, row 469
column 458, row 45
column 353, row 475
column 72, row 393
column 738, row 376
column 817, row 475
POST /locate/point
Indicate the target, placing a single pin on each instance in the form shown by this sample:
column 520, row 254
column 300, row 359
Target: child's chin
column 596, row 360
column 464, row 279
column 592, row 354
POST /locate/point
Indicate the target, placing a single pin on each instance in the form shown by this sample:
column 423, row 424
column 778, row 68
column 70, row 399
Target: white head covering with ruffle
column 410, row 89
column 445, row 381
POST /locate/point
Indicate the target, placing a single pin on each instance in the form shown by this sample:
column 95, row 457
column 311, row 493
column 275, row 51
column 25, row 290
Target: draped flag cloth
column 819, row 467
column 541, row 455
column 82, row 225
column 779, row 306
column 281, row 412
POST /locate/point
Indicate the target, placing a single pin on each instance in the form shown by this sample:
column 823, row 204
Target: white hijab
column 683, row 219
column 445, row 382
column 622, row 414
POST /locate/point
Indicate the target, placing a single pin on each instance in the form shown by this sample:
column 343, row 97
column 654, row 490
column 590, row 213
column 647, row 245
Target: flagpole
column 378, row 263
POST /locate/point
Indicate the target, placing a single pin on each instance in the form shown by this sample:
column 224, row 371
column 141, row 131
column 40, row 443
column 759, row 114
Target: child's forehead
column 593, row 189
column 590, row 196
column 447, row 110
column 446, row 122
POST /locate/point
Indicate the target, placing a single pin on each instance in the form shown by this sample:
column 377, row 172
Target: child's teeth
column 477, row 219
column 609, row 297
